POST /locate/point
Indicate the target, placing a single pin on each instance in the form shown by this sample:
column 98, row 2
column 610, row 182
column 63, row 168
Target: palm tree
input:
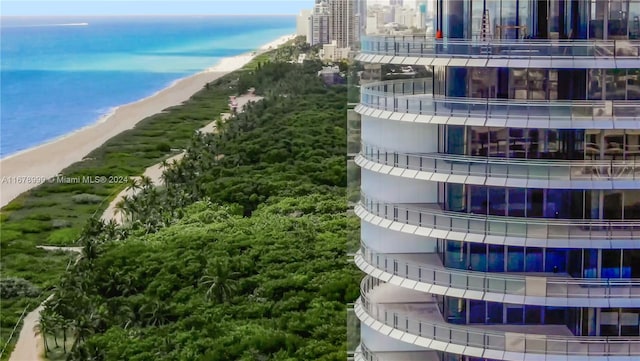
column 89, row 249
column 133, row 185
column 218, row 278
column 155, row 313
column 43, row 328
column 146, row 182
column 65, row 324
column 82, row 326
column 120, row 208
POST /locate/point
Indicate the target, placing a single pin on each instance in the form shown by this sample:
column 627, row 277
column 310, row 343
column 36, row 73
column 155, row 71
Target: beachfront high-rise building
column 500, row 194
column 343, row 26
column 303, row 23
column 319, row 24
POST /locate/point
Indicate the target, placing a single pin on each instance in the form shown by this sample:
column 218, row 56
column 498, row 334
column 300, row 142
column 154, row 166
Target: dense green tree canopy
column 241, row 254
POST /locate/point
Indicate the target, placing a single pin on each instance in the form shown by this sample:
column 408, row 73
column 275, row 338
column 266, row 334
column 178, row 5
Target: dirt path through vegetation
column 30, row 346
column 155, row 171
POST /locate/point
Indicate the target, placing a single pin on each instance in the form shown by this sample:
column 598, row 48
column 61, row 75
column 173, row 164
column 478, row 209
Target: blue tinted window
column 496, row 258
column 478, row 257
column 515, row 315
column 494, row 312
column 515, row 260
column 455, row 255
column 477, row 311
column 534, row 260
column 556, row 260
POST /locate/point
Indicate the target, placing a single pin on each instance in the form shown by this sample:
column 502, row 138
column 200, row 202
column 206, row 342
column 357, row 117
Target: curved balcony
column 363, row 353
column 425, row 273
column 429, row 220
column 521, row 53
column 412, row 101
column 383, row 307
column 506, row 172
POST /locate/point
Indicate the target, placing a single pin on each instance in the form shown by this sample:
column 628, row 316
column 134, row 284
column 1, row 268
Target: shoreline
column 37, row 162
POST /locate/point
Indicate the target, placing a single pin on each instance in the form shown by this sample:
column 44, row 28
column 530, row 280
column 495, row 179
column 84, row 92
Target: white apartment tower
column 344, row 27
column 500, row 194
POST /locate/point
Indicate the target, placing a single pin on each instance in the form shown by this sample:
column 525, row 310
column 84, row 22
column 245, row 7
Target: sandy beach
column 27, row 169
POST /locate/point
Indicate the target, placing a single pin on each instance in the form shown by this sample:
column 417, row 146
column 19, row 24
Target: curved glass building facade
column 500, row 199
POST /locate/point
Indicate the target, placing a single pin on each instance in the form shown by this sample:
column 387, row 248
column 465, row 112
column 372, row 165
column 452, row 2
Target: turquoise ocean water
column 63, row 73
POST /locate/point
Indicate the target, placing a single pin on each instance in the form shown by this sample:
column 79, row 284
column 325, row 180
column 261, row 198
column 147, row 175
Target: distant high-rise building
column 361, row 13
column 319, row 24
column 302, row 23
column 421, row 14
column 343, row 22
column 395, row 2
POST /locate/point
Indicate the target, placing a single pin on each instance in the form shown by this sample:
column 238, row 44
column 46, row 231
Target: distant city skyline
column 152, row 7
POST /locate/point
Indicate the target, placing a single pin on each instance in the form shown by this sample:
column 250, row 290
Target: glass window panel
column 456, row 310
column 633, row 82
column 535, row 144
column 455, row 197
column 515, row 314
column 478, row 196
column 631, row 263
column 596, row 25
column 634, row 20
column 455, row 255
column 555, row 316
column 555, row 203
column 535, row 203
column 595, row 84
column 629, row 331
column 479, row 141
column 498, row 138
column 610, row 263
column 533, row 315
column 477, row 312
column 632, row 204
column 519, row 84
column 590, row 263
column 618, row 19
column 556, row 260
column 575, row 263
column 612, row 208
column 494, row 312
column 608, row 330
column 455, row 139
column 515, row 260
column 632, row 146
column 483, row 82
column 497, row 201
column 517, row 202
column 496, row 258
column 616, row 84
column 534, row 259
column 478, row 257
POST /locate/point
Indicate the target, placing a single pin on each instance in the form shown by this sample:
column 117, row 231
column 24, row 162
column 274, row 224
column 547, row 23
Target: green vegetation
column 55, row 214
column 240, row 255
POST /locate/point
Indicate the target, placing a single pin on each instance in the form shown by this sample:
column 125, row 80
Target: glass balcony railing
column 421, row 46
column 424, row 320
column 415, row 97
column 544, row 232
column 558, row 173
column 557, row 286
